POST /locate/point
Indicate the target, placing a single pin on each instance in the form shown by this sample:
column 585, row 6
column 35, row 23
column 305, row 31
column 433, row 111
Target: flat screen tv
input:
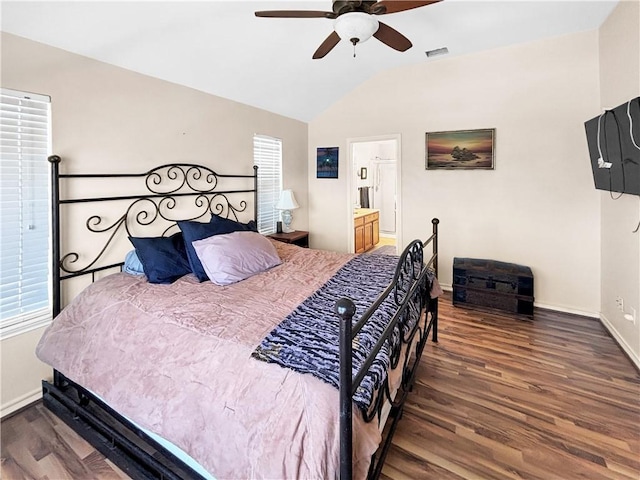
column 614, row 148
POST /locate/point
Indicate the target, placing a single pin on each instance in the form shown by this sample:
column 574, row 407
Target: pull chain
column 354, row 41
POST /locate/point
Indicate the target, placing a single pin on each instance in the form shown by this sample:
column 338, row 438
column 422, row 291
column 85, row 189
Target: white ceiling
column 220, row 47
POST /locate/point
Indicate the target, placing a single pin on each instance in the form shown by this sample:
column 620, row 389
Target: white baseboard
column 621, row 341
column 572, row 311
column 22, row 401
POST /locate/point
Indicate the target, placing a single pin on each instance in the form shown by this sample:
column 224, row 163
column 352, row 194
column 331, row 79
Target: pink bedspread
column 176, row 359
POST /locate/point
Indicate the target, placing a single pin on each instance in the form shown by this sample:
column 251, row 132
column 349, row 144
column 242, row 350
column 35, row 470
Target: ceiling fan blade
column 330, row 42
column 384, row 7
column 295, row 14
column 392, row 38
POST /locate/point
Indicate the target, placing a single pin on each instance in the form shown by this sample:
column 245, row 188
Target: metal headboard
column 163, row 187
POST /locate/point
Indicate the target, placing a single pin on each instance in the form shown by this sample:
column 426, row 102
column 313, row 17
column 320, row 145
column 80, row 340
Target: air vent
column 437, row 51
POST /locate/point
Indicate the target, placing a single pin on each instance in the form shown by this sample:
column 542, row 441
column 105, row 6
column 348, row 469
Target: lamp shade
column 356, row 27
column 287, row 201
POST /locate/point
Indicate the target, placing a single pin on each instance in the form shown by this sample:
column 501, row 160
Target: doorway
column 374, row 200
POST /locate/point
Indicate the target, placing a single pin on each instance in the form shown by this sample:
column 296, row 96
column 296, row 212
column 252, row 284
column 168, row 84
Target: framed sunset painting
column 460, row 149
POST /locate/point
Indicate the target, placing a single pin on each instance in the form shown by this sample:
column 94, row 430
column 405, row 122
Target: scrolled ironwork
column 69, row 258
column 92, row 225
column 147, row 211
column 151, row 210
column 395, row 345
column 220, row 205
column 176, row 177
column 408, row 269
column 143, row 215
column 377, row 403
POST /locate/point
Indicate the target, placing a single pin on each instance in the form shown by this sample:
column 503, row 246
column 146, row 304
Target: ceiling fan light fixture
column 356, row 27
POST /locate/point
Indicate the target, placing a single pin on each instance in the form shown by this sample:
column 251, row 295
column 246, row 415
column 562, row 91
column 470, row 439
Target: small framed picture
column 460, row 150
column 327, row 162
column 363, row 173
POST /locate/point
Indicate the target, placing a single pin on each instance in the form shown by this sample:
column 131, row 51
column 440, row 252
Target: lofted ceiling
column 220, row 47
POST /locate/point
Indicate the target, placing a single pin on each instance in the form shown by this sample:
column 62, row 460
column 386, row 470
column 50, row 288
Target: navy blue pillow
column 225, row 223
column 164, row 259
column 193, row 231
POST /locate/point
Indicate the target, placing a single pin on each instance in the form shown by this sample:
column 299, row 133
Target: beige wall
column 538, row 207
column 619, row 82
column 109, row 119
column 21, row 371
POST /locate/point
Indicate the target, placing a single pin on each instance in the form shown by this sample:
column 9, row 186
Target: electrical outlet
column 631, row 317
column 620, row 303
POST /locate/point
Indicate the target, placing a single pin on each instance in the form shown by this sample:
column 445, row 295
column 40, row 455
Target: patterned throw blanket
column 307, row 340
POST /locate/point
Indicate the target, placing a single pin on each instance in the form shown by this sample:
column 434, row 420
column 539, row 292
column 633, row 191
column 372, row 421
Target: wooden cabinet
column 359, row 234
column 376, row 230
column 366, row 229
column 368, row 236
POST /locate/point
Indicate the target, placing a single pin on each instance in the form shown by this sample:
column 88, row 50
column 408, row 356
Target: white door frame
column 351, row 196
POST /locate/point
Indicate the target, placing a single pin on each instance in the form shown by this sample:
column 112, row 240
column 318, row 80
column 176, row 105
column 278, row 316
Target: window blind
column 267, row 155
column 25, row 143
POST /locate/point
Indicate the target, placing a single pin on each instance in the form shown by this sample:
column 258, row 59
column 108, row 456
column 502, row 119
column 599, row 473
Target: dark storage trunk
column 488, row 283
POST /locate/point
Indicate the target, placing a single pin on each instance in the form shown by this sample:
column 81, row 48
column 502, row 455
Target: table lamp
column 287, row 203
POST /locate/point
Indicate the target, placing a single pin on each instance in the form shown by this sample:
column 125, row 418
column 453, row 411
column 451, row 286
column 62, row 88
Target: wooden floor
column 498, row 397
column 37, row 445
column 505, row 398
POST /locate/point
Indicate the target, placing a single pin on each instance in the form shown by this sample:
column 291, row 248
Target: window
column 25, row 143
column 267, row 155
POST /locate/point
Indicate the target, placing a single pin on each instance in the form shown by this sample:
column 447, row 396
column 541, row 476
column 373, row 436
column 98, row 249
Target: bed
column 298, row 369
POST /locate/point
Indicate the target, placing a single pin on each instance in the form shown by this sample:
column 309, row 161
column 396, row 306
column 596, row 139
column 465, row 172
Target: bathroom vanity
column 366, row 222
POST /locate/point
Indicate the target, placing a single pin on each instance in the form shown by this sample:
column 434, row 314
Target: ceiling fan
column 355, row 20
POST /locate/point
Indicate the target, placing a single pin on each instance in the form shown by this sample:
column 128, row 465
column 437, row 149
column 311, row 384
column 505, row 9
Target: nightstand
column 297, row 237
